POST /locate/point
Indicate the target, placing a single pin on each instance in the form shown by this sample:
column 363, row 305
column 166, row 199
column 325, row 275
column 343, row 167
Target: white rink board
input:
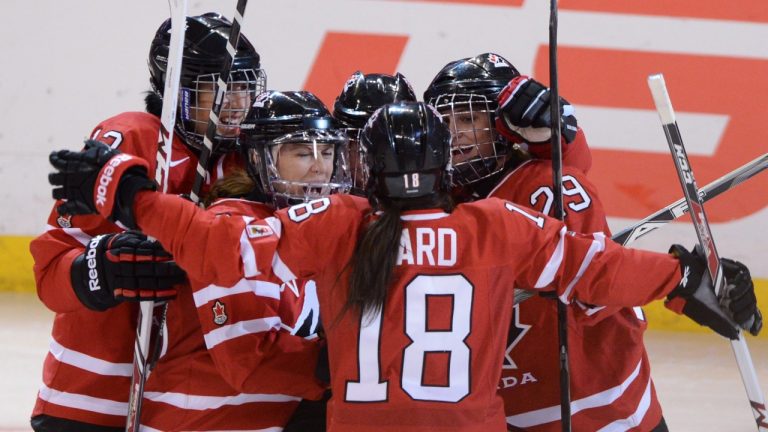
column 90, row 63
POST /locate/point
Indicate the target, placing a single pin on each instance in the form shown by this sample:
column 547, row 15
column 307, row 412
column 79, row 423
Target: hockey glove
column 98, row 180
column 695, row 297
column 738, row 296
column 124, row 266
column 524, row 113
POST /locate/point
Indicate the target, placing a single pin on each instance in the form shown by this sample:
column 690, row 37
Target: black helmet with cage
column 465, row 93
column 408, row 152
column 362, row 95
column 204, row 55
column 293, row 148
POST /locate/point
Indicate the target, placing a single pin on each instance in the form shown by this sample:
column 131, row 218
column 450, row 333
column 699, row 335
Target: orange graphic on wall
column 341, row 54
column 634, row 184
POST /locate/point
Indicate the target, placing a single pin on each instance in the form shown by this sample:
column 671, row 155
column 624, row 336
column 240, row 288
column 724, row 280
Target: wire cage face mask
column 196, row 102
column 477, row 151
column 307, row 165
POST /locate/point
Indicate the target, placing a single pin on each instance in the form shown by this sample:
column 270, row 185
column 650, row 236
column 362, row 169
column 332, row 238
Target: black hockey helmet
column 363, row 94
column 281, row 121
column 408, row 151
column 205, row 51
column 485, row 74
column 465, row 93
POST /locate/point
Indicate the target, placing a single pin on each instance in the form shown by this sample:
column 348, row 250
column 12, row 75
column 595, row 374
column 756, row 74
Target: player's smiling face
column 470, row 132
column 237, row 100
column 305, row 163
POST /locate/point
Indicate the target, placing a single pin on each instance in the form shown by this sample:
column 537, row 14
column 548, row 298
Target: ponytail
column 377, row 250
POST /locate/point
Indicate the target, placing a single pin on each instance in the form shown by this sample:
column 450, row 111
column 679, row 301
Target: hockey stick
column 221, row 88
column 141, row 367
column 700, row 223
column 680, row 207
column 559, row 213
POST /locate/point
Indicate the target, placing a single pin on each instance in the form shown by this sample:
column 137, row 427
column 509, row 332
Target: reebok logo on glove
column 90, row 257
column 106, row 178
column 684, row 280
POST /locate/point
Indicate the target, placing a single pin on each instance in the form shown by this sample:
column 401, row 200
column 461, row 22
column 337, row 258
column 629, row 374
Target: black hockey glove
column 524, row 113
column 695, row 295
column 738, row 296
column 124, row 266
column 98, row 180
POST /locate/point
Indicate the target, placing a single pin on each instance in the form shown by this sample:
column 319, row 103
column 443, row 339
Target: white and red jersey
column 239, row 357
column 611, row 384
column 434, row 358
column 88, row 369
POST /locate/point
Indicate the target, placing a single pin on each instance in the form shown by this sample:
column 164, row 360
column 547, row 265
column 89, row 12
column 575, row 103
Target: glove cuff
column 131, row 183
column 108, row 181
column 88, row 282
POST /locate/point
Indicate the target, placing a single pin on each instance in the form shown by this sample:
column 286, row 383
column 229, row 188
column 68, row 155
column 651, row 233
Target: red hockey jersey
column 433, row 360
column 611, row 387
column 87, row 372
column 239, row 357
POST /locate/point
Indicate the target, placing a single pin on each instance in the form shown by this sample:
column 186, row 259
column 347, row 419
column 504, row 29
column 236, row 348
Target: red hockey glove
column 524, row 113
column 98, row 180
column 124, row 266
column 695, row 297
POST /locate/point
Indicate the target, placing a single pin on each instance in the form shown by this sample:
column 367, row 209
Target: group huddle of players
column 245, row 343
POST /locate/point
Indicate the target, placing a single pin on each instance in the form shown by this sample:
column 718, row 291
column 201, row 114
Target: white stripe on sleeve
column 598, row 245
column 242, row 328
column 215, row 292
column 550, row 270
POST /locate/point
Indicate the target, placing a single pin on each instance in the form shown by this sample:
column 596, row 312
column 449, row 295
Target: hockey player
column 361, row 96
column 241, row 353
column 87, row 372
column 611, row 384
column 417, row 293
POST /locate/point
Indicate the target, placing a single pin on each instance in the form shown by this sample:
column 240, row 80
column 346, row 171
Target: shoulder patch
column 64, row 221
column 256, row 231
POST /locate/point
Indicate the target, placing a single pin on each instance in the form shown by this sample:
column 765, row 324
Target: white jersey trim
column 143, row 428
column 550, row 270
column 89, row 363
column 423, row 217
column 247, row 254
column 242, row 328
column 636, row 418
column 598, row 245
column 281, row 270
column 75, row 233
column 603, row 398
column 199, row 403
column 83, row 402
column 215, row 292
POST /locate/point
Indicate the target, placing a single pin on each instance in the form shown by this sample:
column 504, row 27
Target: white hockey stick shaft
column 165, row 139
column 690, row 190
column 221, row 89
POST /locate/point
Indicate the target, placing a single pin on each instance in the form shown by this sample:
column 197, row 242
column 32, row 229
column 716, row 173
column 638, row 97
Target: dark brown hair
column 236, row 184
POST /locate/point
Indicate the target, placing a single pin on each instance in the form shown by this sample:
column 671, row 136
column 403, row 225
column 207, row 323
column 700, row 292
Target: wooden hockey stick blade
column 685, row 174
